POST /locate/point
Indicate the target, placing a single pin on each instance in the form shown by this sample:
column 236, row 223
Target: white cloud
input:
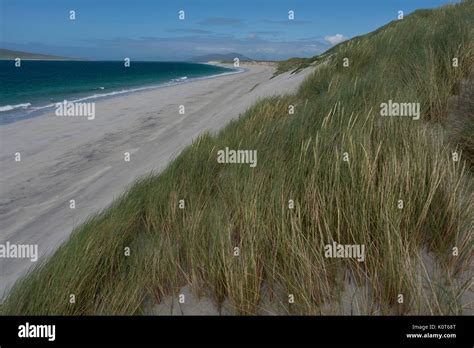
column 335, row 39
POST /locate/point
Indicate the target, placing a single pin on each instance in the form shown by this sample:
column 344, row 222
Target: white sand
column 64, row 158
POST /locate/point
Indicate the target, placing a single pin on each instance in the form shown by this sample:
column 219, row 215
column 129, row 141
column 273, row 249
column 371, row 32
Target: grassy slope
column 299, row 158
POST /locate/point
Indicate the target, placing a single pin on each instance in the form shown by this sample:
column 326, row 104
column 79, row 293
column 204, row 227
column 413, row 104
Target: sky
column 152, row 29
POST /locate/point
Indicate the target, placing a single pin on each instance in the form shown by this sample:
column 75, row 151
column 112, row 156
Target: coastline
column 22, row 111
column 66, row 158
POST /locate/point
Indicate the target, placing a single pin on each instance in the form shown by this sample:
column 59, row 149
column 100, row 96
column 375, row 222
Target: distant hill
column 220, row 57
column 9, row 54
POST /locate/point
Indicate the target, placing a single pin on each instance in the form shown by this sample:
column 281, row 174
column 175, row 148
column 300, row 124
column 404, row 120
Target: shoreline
column 21, row 111
column 72, row 158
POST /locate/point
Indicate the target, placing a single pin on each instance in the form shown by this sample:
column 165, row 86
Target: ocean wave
column 180, row 79
column 13, row 107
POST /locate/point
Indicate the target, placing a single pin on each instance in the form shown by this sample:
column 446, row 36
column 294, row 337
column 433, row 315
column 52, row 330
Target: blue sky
column 151, row 29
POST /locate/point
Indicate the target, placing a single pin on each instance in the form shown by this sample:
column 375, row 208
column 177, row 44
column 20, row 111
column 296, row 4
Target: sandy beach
column 64, row 158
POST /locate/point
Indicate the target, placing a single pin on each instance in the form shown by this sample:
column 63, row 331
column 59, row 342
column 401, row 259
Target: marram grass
column 300, row 158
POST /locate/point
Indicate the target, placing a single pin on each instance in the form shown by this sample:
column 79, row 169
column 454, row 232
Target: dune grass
column 300, row 158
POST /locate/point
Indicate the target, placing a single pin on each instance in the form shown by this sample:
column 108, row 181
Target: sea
column 36, row 86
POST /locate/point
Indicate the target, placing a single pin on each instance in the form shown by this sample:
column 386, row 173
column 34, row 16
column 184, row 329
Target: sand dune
column 64, row 158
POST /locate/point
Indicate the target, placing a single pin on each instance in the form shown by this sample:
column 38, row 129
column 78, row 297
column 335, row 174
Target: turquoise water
column 37, row 85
